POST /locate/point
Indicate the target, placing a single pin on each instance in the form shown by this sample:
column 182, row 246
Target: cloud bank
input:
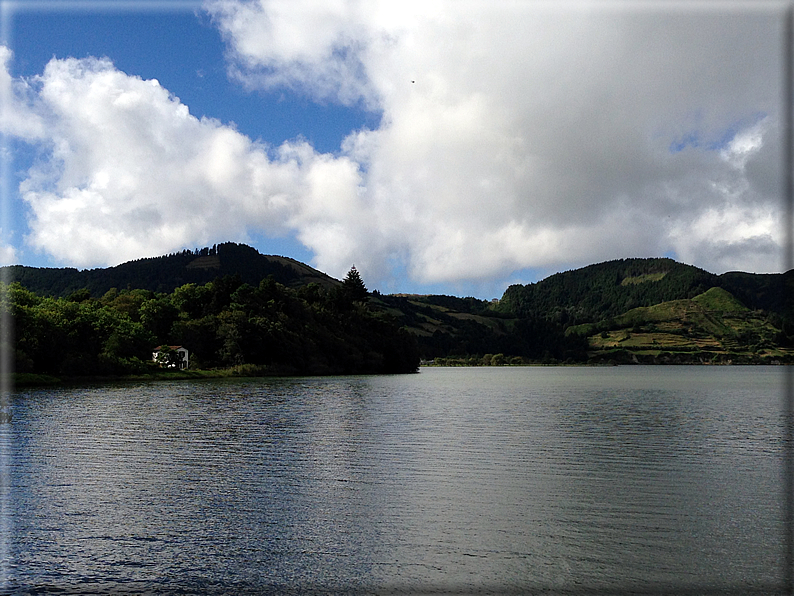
column 127, row 172
column 7, row 255
column 513, row 136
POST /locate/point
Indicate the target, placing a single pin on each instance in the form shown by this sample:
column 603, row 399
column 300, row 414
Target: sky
column 446, row 147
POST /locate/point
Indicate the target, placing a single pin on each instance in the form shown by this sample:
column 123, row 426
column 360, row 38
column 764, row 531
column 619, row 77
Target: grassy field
column 713, row 326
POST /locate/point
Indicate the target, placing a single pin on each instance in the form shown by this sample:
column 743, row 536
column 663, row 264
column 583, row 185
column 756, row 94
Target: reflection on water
column 461, row 479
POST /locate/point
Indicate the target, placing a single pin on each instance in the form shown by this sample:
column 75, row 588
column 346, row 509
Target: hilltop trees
column 163, row 274
column 267, row 327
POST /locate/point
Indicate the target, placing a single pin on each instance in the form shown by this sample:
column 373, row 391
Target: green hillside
column 469, row 330
column 713, row 327
column 630, row 310
column 609, row 289
column 606, row 290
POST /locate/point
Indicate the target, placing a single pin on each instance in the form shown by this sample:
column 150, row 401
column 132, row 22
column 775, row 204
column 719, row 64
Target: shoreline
column 23, row 380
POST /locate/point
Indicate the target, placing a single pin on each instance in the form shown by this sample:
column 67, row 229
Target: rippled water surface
column 490, row 479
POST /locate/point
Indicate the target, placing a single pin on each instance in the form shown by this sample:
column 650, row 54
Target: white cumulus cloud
column 520, row 135
column 16, row 118
column 131, row 173
column 8, row 255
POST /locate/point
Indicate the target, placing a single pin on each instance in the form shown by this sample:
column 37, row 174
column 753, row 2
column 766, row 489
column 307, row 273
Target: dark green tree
column 157, row 316
column 354, row 286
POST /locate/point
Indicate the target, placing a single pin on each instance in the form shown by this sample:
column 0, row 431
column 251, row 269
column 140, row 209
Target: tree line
column 268, row 328
column 167, row 272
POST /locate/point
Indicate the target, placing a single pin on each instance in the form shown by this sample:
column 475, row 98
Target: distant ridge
column 163, row 274
column 585, row 295
column 651, row 311
column 611, row 288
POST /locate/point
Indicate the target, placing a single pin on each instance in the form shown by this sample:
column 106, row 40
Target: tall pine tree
column 354, row 286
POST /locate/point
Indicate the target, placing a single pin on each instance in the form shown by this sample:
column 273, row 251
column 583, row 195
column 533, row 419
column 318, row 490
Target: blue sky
column 182, row 50
column 440, row 150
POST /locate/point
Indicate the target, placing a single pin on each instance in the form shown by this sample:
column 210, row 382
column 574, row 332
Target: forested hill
column 261, row 329
column 277, row 315
column 164, row 274
column 609, row 289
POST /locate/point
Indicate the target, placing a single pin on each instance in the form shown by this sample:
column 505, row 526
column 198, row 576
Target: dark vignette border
column 6, row 388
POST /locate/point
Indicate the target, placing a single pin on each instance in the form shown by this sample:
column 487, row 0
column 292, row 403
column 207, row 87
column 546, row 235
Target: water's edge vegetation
column 152, row 374
column 231, row 328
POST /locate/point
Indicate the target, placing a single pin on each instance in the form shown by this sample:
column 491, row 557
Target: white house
column 182, row 353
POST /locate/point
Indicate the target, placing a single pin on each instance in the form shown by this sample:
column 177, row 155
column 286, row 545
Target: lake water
column 664, row 480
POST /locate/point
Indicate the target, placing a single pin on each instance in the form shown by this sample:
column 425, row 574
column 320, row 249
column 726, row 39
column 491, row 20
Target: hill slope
column 471, row 330
column 713, row 327
column 164, row 274
column 608, row 289
column 685, row 310
column 561, row 318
